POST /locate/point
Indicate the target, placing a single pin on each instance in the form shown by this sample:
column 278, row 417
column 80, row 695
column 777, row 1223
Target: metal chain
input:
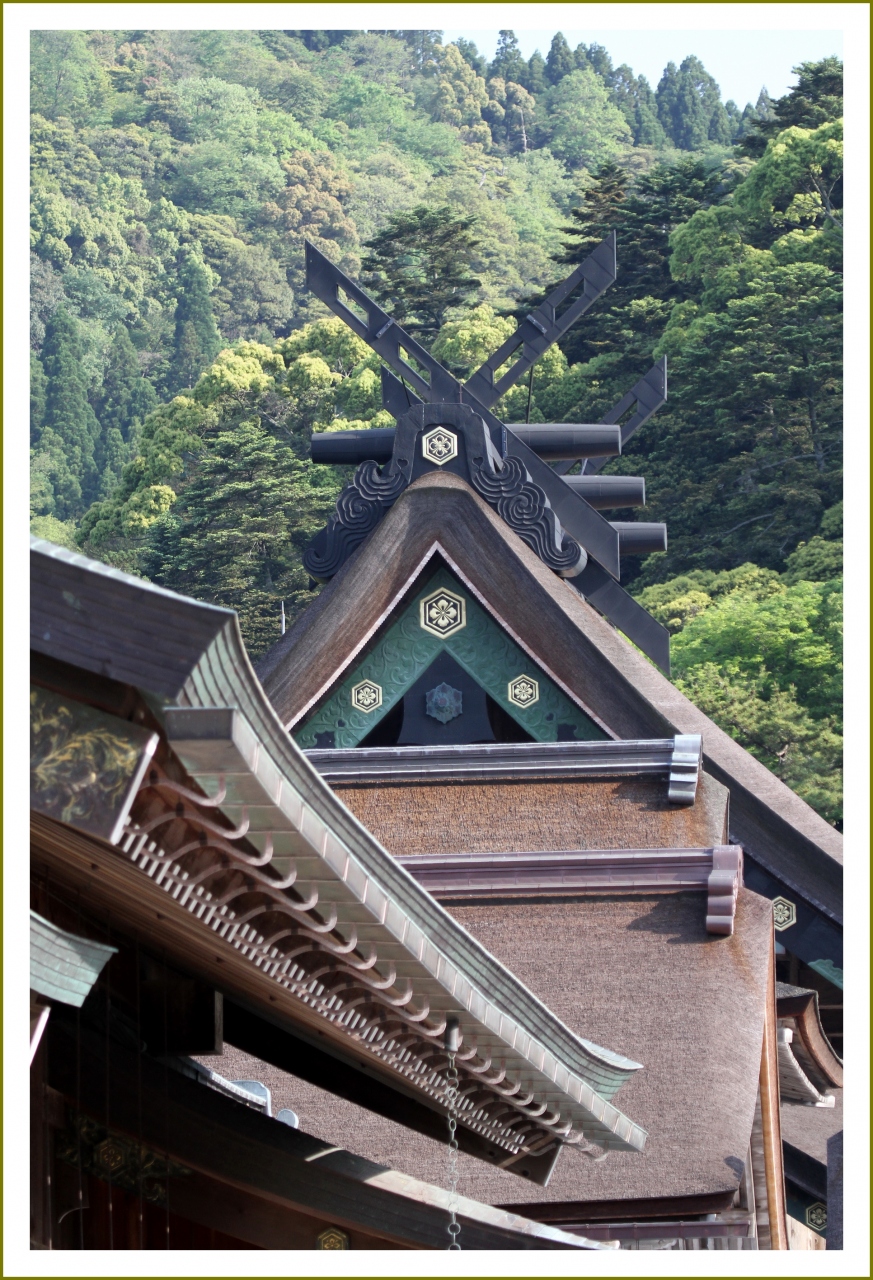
column 452, row 1100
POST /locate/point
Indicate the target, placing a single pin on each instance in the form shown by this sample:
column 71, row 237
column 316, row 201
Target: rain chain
column 452, row 1080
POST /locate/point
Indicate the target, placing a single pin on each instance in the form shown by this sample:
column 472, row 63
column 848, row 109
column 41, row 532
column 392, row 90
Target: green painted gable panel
column 442, row 615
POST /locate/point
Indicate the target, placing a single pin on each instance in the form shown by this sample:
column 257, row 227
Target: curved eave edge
column 221, row 676
column 580, row 1098
column 225, row 677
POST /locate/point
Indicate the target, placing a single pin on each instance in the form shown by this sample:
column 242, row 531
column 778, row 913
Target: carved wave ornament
column 504, row 483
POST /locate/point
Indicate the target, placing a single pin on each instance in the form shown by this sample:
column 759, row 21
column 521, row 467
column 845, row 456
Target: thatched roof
column 610, row 813
column 640, row 973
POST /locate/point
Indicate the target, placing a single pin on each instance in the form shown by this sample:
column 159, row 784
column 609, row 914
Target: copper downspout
column 772, row 1132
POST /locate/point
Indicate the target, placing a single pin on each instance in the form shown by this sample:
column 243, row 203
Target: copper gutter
column 771, row 1129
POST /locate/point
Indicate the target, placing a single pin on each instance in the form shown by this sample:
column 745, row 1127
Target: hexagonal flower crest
column 443, row 703
column 784, row 913
column 366, row 696
column 439, row 446
column 110, row 1155
column 333, row 1238
column 443, row 613
column 817, row 1216
column 523, row 691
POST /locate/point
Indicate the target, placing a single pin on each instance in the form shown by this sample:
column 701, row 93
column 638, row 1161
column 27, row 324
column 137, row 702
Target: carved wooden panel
column 442, row 616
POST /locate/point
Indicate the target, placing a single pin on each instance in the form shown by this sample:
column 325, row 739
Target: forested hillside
column 178, row 364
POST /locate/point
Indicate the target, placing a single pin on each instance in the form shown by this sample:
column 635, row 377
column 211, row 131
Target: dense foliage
column 178, row 363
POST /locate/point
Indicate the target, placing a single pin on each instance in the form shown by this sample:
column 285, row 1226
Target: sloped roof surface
column 495, row 817
column 808, row 1128
column 643, row 973
column 154, row 642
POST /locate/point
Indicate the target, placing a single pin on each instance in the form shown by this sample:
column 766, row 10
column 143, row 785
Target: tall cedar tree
column 68, row 417
column 537, row 75
column 690, row 108
column 816, row 98
column 595, row 57
column 420, row 267
column 634, row 98
column 559, row 60
column 237, row 532
column 38, row 383
column 508, row 62
column 196, row 340
column 126, row 396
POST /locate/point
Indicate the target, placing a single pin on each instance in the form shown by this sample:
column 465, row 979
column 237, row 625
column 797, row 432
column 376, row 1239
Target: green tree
column 559, row 60
column 126, row 397
column 805, row 752
column 66, row 78
column 421, row 267
column 765, row 106
column 600, row 213
column 762, row 656
column 472, row 56
column 457, row 95
column 629, row 320
column 252, row 291
column 236, row 535
column 424, row 45
column 289, row 387
column 38, row 385
column 690, row 108
column 111, row 457
column 537, row 76
column 69, row 427
column 46, row 295
column 508, row 62
column 816, row 99
column 757, row 409
column 583, row 127
column 798, row 182
column 634, row 98
column 596, row 57
column 196, row 340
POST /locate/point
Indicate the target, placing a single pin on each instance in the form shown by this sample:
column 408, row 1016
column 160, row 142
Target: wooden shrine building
column 195, row 883
column 453, row 817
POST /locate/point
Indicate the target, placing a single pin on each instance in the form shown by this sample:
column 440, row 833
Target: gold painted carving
column 443, row 613
column 439, row 445
column 523, row 691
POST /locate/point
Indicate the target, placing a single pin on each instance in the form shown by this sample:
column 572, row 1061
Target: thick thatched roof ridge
column 441, row 515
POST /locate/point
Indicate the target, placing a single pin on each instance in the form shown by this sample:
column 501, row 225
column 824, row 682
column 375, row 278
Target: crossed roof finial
column 566, row 530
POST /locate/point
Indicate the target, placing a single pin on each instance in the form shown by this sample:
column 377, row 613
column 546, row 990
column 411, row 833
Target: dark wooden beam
column 257, row 1221
column 576, row 1212
column 216, row 1136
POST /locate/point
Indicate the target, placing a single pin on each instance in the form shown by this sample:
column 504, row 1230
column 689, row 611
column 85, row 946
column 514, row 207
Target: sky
column 741, row 62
